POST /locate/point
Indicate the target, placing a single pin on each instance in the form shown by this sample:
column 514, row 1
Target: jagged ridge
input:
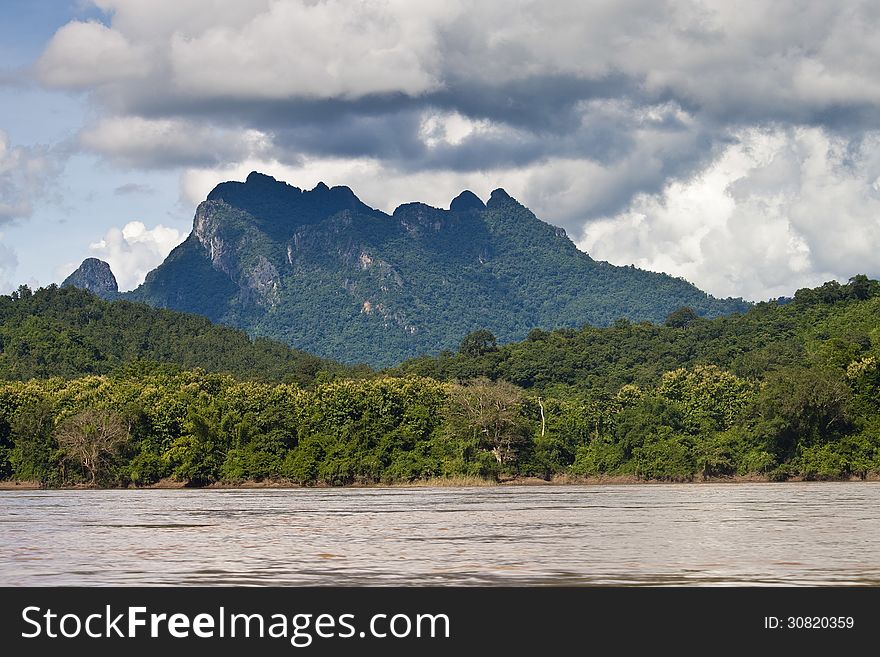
column 322, row 271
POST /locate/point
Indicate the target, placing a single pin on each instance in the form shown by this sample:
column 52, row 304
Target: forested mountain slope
column 321, row 271
column 69, row 332
column 829, row 326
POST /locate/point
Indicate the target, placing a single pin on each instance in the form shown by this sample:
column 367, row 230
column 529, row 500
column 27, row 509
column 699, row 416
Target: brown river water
column 632, row 535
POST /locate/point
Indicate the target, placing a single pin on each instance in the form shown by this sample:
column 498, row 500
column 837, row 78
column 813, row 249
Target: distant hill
column 828, row 327
column 69, row 332
column 321, row 271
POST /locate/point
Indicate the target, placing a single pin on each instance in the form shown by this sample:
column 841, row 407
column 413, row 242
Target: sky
column 734, row 144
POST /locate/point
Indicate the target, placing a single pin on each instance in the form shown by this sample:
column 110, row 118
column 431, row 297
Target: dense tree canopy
column 785, row 390
column 69, row 332
column 827, row 327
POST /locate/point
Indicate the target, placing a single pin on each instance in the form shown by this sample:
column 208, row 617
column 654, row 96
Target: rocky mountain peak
column 499, row 198
column 257, row 178
column 95, row 276
column 465, row 201
column 279, row 208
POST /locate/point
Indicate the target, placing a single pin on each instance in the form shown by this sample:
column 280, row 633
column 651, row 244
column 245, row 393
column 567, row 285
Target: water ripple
column 698, row 535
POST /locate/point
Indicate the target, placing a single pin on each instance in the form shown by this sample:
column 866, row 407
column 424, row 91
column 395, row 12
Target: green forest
column 99, row 393
column 68, row 332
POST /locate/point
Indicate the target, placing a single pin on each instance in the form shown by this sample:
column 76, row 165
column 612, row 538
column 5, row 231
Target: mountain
column 323, row 272
column 69, row 332
column 95, row 276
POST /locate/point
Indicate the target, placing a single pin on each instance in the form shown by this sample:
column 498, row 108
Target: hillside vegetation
column 784, row 390
column 826, row 327
column 67, row 332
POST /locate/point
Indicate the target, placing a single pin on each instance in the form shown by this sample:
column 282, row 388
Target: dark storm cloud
column 538, row 103
column 603, row 134
column 606, row 120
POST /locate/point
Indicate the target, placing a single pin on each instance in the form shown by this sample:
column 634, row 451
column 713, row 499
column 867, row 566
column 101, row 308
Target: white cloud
column 449, row 128
column 226, row 49
column 155, row 143
column 8, row 268
column 779, row 210
column 782, row 56
column 83, row 55
column 321, row 50
column 135, row 250
column 25, row 174
column 145, row 18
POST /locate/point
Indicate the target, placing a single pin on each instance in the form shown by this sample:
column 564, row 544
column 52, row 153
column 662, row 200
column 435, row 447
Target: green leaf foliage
column 69, row 332
column 784, row 390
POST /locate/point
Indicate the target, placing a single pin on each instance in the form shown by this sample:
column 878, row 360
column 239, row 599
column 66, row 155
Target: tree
column 862, row 287
column 800, row 407
column 478, row 343
column 34, row 455
column 681, row 318
column 708, row 395
column 829, row 293
column 91, row 438
column 491, row 414
column 23, row 292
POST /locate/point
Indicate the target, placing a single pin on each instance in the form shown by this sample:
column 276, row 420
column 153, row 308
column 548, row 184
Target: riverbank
column 444, row 482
